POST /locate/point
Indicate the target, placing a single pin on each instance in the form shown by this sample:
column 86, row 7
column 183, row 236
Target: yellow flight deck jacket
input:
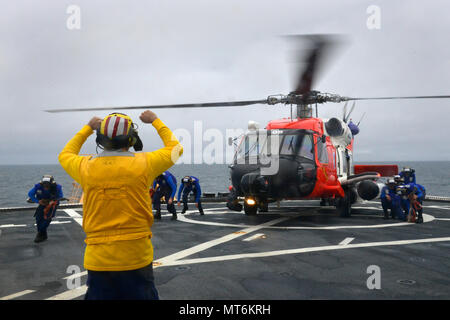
column 117, row 212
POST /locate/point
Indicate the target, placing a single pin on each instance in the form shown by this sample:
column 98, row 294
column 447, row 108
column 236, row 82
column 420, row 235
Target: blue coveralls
column 410, row 179
column 393, row 204
column 419, row 190
column 167, row 187
column 39, row 193
column 186, row 188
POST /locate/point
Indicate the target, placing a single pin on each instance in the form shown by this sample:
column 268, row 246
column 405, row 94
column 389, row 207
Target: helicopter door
column 307, row 167
column 343, row 162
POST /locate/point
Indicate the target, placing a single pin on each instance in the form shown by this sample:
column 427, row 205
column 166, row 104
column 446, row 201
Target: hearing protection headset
column 118, row 131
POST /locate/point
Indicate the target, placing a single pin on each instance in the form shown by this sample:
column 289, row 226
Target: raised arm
column 69, row 158
column 162, row 159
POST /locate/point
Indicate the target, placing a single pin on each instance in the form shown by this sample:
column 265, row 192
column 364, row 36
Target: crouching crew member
column 232, row 200
column 47, row 193
column 165, row 185
column 188, row 184
column 390, row 200
column 416, row 195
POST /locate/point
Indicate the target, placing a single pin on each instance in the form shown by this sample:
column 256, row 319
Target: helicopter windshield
column 298, row 144
column 262, row 142
column 252, row 144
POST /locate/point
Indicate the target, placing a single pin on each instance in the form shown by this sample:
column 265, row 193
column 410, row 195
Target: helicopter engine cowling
column 369, row 189
column 339, row 132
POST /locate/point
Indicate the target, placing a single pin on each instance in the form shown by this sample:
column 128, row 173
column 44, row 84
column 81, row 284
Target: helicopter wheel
column 250, row 210
column 263, row 206
column 344, row 206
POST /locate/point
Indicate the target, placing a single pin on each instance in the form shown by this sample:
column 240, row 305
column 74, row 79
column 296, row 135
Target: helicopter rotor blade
column 362, row 117
column 344, row 111
column 351, row 110
column 307, row 76
column 168, row 106
column 397, row 98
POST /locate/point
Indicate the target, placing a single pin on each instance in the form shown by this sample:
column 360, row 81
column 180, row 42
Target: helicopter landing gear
column 263, row 206
column 344, row 205
column 250, row 206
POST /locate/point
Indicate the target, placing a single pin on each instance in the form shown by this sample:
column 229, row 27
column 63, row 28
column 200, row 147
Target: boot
column 393, row 216
column 386, row 215
column 40, row 237
column 158, row 215
column 419, row 218
column 174, row 216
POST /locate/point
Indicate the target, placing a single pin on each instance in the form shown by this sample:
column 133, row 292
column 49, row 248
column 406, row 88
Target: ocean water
column 16, row 181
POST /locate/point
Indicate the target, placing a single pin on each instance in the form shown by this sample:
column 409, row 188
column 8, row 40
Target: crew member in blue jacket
column 165, row 185
column 390, row 200
column 188, row 184
column 408, row 175
column 413, row 192
column 48, row 194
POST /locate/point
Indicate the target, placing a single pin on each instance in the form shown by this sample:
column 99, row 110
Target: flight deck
column 298, row 250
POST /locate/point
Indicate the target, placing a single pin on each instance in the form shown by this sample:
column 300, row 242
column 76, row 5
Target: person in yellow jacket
column 117, row 212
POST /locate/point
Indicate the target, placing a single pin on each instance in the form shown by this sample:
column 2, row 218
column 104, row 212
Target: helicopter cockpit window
column 290, row 144
column 322, row 152
column 298, row 144
column 252, row 145
column 307, row 148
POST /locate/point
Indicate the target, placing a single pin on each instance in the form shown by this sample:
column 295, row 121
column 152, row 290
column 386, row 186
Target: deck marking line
column 346, row 241
column 75, row 215
column 12, row 225
column 256, row 236
column 16, row 295
column 206, row 245
column 76, row 275
column 70, row 294
column 426, row 218
column 303, row 250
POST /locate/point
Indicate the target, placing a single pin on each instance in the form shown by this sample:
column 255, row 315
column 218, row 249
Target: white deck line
column 16, row 295
column 346, row 241
column 70, row 294
column 304, row 250
column 256, row 236
column 75, row 215
column 206, row 245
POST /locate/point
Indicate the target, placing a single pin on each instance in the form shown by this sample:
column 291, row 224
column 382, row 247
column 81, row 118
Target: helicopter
column 301, row 157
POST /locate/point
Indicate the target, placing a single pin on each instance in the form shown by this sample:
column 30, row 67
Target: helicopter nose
column 254, row 183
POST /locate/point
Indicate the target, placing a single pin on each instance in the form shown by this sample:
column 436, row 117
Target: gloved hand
column 43, row 202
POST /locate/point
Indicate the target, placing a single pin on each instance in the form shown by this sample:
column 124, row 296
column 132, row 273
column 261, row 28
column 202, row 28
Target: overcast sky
column 177, row 51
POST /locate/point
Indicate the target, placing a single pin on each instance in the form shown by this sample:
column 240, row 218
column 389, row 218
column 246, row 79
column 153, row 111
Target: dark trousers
column 41, row 222
column 394, row 206
column 185, row 200
column 122, row 285
column 157, row 201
